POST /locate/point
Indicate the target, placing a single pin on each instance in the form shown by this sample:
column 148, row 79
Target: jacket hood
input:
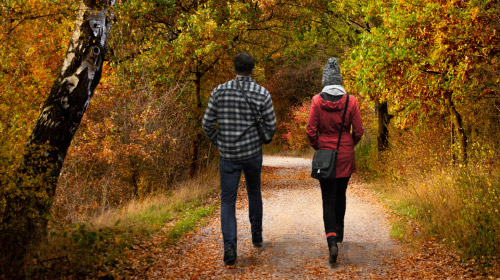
column 334, row 90
column 332, row 105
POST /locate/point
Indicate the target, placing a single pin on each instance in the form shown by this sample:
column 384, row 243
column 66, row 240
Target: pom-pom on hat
column 331, row 73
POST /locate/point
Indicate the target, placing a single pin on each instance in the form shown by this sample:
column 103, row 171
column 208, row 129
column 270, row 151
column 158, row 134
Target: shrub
column 295, row 136
column 477, row 229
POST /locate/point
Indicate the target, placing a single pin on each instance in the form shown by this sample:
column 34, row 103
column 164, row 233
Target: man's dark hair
column 243, row 64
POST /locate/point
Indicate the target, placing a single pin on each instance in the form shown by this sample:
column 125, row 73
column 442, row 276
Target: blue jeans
column 230, row 173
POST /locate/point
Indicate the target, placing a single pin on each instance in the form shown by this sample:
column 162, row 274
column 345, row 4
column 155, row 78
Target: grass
column 457, row 206
column 98, row 247
column 157, row 209
column 189, row 222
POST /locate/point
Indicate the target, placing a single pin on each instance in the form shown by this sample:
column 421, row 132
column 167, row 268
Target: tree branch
column 365, row 28
column 433, row 72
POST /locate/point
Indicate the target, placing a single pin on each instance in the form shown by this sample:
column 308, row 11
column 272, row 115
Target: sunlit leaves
column 425, row 49
column 31, row 47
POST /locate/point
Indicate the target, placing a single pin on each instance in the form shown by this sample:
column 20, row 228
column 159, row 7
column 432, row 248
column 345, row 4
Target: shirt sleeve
column 312, row 126
column 357, row 123
column 268, row 115
column 210, row 119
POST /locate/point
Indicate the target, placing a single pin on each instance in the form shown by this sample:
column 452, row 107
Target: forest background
column 425, row 73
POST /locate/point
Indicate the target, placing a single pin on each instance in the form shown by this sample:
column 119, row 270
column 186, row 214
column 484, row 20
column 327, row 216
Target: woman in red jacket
column 323, row 130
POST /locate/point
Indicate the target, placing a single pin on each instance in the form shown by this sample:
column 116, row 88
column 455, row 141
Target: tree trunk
column 28, row 202
column 198, row 137
column 453, row 155
column 383, row 126
column 459, row 131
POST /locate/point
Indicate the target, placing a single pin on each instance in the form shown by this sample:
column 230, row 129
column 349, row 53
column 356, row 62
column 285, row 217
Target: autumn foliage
column 435, row 64
column 294, row 136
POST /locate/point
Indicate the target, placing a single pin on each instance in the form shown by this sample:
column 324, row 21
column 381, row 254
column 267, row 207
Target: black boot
column 333, row 249
column 230, row 255
column 257, row 239
column 340, row 233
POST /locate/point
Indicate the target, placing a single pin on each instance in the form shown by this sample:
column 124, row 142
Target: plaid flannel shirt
column 236, row 137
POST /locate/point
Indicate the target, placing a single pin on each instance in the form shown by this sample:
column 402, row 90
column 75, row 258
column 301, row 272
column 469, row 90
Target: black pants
column 334, row 202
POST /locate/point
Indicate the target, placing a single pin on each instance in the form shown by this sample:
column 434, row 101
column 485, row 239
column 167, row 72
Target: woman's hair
column 243, row 64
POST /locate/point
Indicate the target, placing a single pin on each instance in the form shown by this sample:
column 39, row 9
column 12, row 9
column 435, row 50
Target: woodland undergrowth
column 98, row 247
column 431, row 197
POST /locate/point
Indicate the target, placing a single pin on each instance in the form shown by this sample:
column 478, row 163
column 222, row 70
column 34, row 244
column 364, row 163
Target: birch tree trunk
column 27, row 208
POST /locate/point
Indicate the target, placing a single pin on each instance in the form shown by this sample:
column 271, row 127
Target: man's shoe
column 257, row 239
column 334, row 251
column 230, row 255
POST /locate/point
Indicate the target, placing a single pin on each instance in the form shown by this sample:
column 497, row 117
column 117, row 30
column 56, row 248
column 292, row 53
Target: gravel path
column 294, row 226
column 287, row 162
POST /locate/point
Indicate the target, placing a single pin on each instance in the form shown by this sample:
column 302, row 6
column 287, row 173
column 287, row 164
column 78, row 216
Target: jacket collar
column 244, row 78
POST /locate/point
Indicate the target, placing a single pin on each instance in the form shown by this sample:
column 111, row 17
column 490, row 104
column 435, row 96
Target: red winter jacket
column 323, row 130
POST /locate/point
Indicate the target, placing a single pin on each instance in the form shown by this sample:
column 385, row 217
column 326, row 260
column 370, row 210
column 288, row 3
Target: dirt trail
column 294, row 242
column 295, row 234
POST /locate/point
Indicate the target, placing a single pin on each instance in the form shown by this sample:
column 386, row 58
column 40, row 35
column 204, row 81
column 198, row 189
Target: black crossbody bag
column 325, row 161
column 264, row 134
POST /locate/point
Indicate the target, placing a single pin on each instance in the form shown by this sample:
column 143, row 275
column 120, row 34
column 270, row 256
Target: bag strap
column 342, row 124
column 251, row 109
column 249, row 105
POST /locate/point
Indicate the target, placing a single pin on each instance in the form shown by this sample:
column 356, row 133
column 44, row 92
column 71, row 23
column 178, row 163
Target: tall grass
column 457, row 204
column 156, row 209
column 98, row 247
column 459, row 207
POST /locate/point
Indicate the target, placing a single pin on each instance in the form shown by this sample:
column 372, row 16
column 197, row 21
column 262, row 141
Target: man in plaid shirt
column 240, row 146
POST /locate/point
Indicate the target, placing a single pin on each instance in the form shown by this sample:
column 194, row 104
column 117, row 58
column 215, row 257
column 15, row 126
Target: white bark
column 80, row 74
column 48, row 143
